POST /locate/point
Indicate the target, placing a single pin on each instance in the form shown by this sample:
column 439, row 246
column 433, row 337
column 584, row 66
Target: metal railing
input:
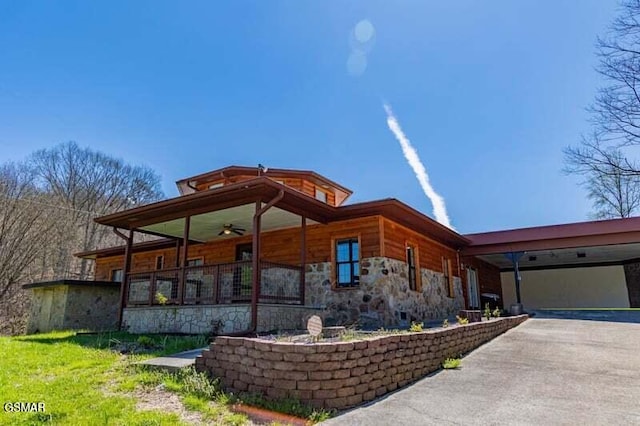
column 215, row 284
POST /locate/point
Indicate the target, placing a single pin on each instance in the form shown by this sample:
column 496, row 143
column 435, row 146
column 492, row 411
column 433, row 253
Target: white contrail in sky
column 439, row 208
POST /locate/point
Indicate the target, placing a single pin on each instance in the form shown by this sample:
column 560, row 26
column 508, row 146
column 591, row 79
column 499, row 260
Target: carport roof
column 570, row 235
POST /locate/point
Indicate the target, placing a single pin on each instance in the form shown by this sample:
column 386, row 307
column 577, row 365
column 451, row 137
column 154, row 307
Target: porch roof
column 238, row 194
column 234, row 204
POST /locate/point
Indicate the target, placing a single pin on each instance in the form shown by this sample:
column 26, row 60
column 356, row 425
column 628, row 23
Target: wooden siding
column 488, row 276
column 430, row 252
column 276, row 246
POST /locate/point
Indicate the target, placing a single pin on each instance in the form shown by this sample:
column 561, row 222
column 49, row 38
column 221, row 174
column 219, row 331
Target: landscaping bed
column 341, row 374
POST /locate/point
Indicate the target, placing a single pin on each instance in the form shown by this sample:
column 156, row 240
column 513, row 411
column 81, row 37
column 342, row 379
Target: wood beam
column 303, row 256
column 126, row 267
column 183, row 263
column 255, row 270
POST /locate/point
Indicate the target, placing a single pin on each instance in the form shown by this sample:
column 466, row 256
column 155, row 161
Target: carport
column 578, row 265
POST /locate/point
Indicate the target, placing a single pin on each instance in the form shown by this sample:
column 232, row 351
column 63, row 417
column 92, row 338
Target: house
column 244, row 248
column 250, row 249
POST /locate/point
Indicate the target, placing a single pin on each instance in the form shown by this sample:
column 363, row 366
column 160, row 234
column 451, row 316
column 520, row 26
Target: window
column 117, row 275
column 159, row 262
column 448, row 277
column 216, row 185
column 413, row 268
column 321, row 195
column 347, row 263
column 198, row 261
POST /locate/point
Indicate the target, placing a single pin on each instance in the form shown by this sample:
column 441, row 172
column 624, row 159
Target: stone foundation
column 285, row 317
column 214, row 319
column 341, row 374
column 383, row 298
column 187, row 319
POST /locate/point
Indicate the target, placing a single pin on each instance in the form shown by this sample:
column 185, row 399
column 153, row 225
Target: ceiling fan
column 228, row 228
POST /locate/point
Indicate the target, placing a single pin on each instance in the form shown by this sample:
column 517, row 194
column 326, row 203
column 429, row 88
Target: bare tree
column 26, row 221
column 86, row 184
column 606, row 157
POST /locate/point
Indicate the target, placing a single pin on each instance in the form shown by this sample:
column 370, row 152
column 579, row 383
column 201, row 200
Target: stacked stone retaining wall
column 341, row 374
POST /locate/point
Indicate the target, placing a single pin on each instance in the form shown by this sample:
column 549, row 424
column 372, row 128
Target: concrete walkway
column 544, row 372
column 174, row 362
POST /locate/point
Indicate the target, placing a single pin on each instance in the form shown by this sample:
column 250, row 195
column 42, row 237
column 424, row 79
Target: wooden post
column 255, row 270
column 185, row 255
column 177, row 252
column 256, row 255
column 303, row 257
column 124, row 285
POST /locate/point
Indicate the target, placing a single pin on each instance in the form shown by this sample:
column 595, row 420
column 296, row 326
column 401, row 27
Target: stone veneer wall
column 60, row 306
column 383, row 298
column 216, row 319
column 285, row 317
column 196, row 319
column 341, row 374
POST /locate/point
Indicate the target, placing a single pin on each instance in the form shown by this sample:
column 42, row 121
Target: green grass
column 82, row 382
column 288, row 406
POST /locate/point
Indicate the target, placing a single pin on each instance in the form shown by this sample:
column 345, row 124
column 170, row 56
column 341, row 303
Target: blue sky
column 488, row 93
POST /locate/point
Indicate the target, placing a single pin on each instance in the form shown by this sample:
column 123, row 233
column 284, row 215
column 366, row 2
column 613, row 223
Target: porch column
column 303, row 257
column 124, row 285
column 514, row 257
column 256, row 275
column 185, row 254
column 177, row 253
column 255, row 269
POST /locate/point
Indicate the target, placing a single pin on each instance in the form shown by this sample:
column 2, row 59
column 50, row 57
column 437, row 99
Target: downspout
column 256, row 256
column 125, row 271
column 463, row 282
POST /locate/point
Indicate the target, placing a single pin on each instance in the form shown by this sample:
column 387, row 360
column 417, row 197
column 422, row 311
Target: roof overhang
column 260, row 189
column 186, row 185
column 235, row 204
column 405, row 215
column 603, row 242
column 571, row 235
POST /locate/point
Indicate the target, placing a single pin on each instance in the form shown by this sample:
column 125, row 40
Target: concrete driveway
column 545, row 371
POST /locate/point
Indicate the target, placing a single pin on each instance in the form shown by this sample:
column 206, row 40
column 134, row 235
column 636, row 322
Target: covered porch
column 227, row 215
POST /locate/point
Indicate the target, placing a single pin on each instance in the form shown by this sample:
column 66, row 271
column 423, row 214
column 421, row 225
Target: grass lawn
column 83, row 382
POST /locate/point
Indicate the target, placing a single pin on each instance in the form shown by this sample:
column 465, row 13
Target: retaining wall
column 341, row 374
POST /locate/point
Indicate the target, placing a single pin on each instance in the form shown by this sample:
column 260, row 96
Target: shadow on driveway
column 611, row 315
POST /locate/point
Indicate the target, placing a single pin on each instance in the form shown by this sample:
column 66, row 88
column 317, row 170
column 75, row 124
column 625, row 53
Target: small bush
column 487, row 311
column 197, row 384
column 145, row 341
column 416, row 326
column 461, row 320
column 445, row 323
column 496, row 312
column 161, row 298
column 451, row 363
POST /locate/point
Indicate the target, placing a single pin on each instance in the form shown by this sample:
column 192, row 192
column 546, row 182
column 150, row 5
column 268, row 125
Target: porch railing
column 215, row 284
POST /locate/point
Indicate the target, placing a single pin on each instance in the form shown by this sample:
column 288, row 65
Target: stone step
column 175, row 362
